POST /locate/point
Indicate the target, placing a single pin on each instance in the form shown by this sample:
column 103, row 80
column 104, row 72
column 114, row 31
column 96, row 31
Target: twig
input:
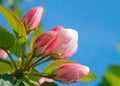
column 38, row 74
column 46, row 60
column 23, row 54
column 11, row 59
column 31, row 57
column 38, row 62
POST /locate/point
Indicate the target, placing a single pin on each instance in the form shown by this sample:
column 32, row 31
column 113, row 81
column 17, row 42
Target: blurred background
column 98, row 25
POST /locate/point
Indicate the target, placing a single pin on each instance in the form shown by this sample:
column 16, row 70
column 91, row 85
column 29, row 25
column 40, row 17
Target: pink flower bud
column 32, row 18
column 45, row 43
column 42, row 80
column 3, row 54
column 70, row 73
column 67, row 43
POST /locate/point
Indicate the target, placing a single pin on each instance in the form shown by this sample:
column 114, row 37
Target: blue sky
column 98, row 25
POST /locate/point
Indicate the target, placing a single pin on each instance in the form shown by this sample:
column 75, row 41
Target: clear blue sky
column 98, row 24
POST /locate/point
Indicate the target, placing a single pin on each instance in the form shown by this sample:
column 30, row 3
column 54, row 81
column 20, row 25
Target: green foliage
column 14, row 6
column 49, row 84
column 34, row 78
column 15, row 23
column 114, row 69
column 49, row 69
column 112, row 76
column 88, row 78
column 5, row 66
column 105, row 82
column 5, row 83
column 17, row 11
column 16, row 49
column 7, row 40
column 1, row 1
column 8, row 80
column 118, row 47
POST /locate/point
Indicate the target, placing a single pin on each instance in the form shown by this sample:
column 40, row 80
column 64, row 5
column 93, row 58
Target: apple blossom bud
column 43, row 79
column 67, row 43
column 3, row 54
column 70, row 73
column 45, row 43
column 58, row 28
column 32, row 18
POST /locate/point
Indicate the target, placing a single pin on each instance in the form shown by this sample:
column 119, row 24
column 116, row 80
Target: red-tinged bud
column 70, row 73
column 45, row 43
column 3, row 54
column 32, row 18
column 67, row 43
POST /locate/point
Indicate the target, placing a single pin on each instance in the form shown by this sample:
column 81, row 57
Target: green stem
column 31, row 57
column 39, row 57
column 19, row 60
column 23, row 55
column 35, row 83
column 11, row 59
column 29, row 63
column 38, row 62
column 38, row 74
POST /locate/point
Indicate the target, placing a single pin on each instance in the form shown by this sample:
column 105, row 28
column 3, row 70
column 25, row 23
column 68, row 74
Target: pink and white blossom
column 3, row 54
column 70, row 73
column 32, row 18
column 67, row 43
column 45, row 43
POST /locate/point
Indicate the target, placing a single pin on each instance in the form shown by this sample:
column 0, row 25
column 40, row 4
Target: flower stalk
column 38, row 62
column 11, row 59
column 23, row 55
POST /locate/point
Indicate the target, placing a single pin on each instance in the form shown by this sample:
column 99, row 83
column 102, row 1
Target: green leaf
column 1, row 1
column 16, row 50
column 7, row 40
column 7, row 77
column 34, row 78
column 114, row 69
column 49, row 84
column 5, row 66
column 8, row 80
column 15, row 23
column 21, row 83
column 51, row 67
column 88, row 78
column 112, row 76
column 112, row 79
column 118, row 47
column 104, row 83
column 17, row 11
column 5, row 83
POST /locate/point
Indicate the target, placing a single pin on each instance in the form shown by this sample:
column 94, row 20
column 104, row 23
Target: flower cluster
column 59, row 43
column 56, row 45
